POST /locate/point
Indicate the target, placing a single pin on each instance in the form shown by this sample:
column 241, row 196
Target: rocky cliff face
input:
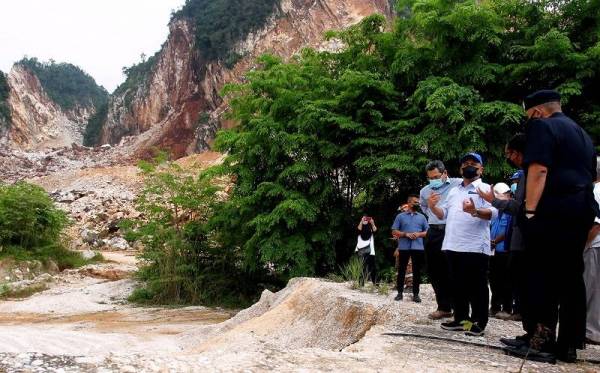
column 36, row 121
column 177, row 106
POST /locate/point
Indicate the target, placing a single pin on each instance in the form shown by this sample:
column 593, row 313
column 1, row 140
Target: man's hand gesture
column 434, row 199
column 469, row 206
column 488, row 196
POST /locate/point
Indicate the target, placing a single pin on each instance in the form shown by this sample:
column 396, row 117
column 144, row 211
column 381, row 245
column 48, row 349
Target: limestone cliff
column 177, row 106
column 36, row 121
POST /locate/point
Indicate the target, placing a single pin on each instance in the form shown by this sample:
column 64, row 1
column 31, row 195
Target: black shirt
column 567, row 151
column 366, row 232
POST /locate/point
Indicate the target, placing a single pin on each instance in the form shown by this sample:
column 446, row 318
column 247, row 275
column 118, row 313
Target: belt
column 437, row 226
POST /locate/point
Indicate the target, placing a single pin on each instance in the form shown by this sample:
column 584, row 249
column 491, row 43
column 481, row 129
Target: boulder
column 87, row 254
column 89, row 236
column 118, row 243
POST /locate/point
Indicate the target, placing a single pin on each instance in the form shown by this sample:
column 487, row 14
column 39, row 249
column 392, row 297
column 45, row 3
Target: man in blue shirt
column 409, row 228
column 437, row 264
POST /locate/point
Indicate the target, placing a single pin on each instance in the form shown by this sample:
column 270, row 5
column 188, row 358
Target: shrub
column 28, row 217
column 185, row 263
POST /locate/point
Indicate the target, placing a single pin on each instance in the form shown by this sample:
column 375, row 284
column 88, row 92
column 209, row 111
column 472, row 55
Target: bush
column 4, row 110
column 28, row 217
column 184, row 261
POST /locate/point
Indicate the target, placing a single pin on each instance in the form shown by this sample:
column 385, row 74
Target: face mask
column 513, row 188
column 436, row 183
column 469, row 172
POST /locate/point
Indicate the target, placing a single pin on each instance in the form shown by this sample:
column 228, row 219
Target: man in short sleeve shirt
column 437, row 264
column 467, row 246
column 410, row 227
column 559, row 210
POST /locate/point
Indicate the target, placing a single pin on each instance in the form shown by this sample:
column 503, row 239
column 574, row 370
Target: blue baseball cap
column 474, row 156
column 517, row 175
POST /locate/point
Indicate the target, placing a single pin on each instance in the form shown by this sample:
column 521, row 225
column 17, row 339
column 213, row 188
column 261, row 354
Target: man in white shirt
column 591, row 274
column 467, row 246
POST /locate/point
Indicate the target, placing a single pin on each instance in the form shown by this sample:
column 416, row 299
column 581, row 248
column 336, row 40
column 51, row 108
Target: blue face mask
column 513, row 188
column 436, row 183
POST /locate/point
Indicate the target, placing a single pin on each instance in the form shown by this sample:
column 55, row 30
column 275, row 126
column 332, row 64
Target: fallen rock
column 118, row 243
column 87, row 254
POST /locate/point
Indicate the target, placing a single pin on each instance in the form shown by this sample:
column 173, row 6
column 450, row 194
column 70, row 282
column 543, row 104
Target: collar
column 474, row 184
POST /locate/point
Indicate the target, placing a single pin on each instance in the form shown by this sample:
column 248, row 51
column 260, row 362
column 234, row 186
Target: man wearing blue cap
column 559, row 210
column 467, row 246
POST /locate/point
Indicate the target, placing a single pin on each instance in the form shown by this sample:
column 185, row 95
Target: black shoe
column 453, row 325
column 518, row 341
column 399, row 296
column 568, row 355
column 524, row 352
column 473, row 330
column 416, row 298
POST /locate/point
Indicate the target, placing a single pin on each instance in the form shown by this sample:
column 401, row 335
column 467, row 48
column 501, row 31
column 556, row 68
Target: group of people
column 528, row 239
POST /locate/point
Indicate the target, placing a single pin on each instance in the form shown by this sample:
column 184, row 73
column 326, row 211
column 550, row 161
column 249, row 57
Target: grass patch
column 354, row 271
column 64, row 258
column 25, row 292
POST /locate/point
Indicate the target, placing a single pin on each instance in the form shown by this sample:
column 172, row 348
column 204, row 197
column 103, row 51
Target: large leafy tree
column 329, row 135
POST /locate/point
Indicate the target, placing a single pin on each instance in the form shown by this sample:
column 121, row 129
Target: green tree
column 328, row 135
column 184, row 262
column 4, row 91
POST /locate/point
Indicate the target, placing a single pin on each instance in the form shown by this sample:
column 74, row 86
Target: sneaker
column 502, row 315
column 454, row 325
column 525, row 352
column 439, row 314
column 399, row 296
column 592, row 342
column 416, row 298
column 473, row 330
column 493, row 312
column 568, row 355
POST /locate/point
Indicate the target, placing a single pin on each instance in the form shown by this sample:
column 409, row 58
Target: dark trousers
column 418, row 257
column 468, row 273
column 369, row 267
column 437, row 268
column 516, row 269
column 500, row 283
column 555, row 289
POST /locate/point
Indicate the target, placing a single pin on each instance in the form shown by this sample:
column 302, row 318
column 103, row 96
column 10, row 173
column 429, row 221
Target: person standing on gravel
column 591, row 274
column 365, row 246
column 409, row 228
column 467, row 245
column 559, row 211
column 437, row 264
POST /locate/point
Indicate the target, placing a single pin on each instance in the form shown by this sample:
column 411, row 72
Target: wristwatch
column 476, row 213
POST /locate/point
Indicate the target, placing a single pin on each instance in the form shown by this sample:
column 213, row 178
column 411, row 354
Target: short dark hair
column 517, row 142
column 412, row 196
column 436, row 164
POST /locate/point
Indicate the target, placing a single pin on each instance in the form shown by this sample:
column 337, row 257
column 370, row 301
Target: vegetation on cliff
column 4, row 109
column 93, row 128
column 329, row 136
column 220, row 24
column 66, row 84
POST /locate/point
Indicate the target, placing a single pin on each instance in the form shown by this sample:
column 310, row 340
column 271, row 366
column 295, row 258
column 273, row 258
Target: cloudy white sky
column 100, row 36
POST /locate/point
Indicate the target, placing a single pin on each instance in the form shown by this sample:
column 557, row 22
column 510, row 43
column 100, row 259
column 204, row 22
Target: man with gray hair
column 437, row 264
column 591, row 274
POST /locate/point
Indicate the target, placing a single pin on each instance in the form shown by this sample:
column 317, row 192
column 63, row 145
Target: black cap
column 540, row 97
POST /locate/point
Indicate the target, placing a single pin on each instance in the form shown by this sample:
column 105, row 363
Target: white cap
column 501, row 188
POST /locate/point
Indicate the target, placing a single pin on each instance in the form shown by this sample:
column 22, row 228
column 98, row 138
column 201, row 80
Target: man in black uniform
column 559, row 210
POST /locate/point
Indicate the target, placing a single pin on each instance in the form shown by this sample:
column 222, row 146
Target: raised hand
column 488, row 196
column 469, row 206
column 434, row 199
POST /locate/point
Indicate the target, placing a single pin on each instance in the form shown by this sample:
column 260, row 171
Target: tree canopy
column 330, row 135
column 66, row 84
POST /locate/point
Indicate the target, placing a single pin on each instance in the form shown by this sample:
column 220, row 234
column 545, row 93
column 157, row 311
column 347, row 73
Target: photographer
column 365, row 246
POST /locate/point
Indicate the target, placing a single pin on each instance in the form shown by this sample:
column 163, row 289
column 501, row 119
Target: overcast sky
column 99, row 36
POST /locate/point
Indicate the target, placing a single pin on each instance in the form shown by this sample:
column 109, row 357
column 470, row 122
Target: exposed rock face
column 178, row 107
column 36, row 121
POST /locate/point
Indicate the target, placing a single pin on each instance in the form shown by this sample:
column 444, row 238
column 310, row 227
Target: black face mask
column 511, row 163
column 469, row 172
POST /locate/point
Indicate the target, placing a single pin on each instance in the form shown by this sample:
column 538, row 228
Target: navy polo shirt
column 567, row 151
column 410, row 222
